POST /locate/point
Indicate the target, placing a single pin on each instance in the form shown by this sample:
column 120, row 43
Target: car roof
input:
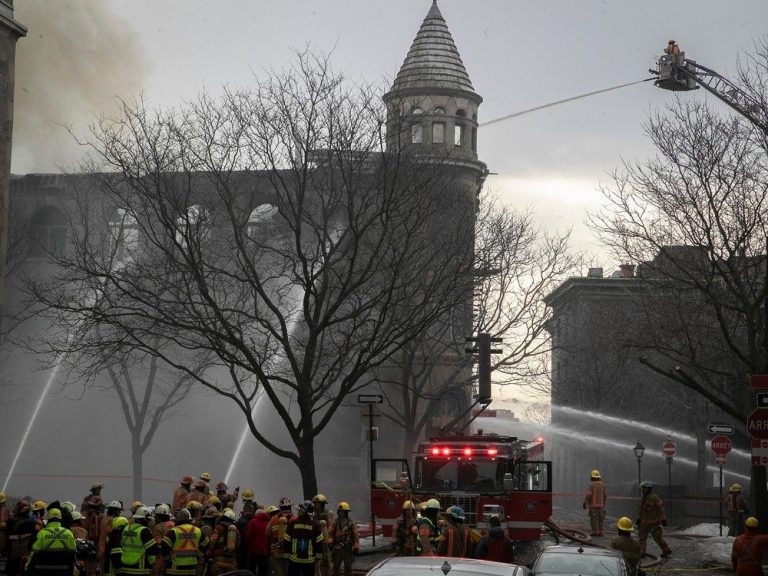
column 584, row 550
column 434, row 565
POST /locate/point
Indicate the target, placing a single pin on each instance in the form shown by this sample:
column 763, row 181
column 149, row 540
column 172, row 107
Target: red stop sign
column 721, row 445
column 757, row 423
column 669, row 449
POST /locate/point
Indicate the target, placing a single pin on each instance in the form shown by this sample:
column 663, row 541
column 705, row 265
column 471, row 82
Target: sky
column 80, row 55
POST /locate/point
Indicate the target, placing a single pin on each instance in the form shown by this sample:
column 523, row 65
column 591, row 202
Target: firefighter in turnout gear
column 302, row 537
column 276, row 528
column 181, row 494
column 651, row 518
column 5, row 515
column 224, row 544
column 404, row 532
column 594, row 501
column 749, row 550
column 137, row 545
column 428, row 533
column 21, row 535
column 114, row 509
column 455, row 540
column 628, row 546
column 54, row 551
column 325, row 520
column 96, row 488
column 112, row 550
column 343, row 541
column 199, row 494
column 183, row 545
column 737, row 509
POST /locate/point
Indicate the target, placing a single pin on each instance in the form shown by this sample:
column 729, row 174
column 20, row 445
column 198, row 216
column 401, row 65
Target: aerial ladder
column 677, row 73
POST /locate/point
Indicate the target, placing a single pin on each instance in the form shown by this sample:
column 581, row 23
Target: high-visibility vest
column 134, row 549
column 185, row 548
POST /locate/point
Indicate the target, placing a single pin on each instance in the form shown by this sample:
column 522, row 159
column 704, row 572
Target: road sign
column 759, row 381
column 721, row 445
column 761, row 398
column 669, row 449
column 720, row 459
column 721, row 428
column 759, row 451
column 757, row 423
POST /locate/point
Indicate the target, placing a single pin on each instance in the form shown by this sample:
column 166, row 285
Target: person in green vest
column 138, row 545
column 54, row 551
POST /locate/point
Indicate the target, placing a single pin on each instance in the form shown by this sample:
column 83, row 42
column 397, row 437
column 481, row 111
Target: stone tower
column 10, row 31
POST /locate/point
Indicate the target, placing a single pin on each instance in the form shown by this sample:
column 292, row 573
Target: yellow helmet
column 735, row 488
column 751, row 522
column 2, row 498
column 271, row 509
column 625, row 524
column 214, row 500
column 595, row 475
column 205, row 476
column 54, row 514
column 407, row 505
column 38, row 505
column 136, row 505
column 194, row 505
column 247, row 495
column 344, row 506
column 319, row 498
column 119, row 521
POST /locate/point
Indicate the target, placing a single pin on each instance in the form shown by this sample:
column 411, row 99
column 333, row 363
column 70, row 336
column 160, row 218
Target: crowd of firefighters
column 198, row 534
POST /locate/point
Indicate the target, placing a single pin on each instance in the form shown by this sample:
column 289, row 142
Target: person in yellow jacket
column 137, row 545
column 651, row 518
column 54, row 551
column 183, row 545
column 594, row 501
column 343, row 541
column 628, row 546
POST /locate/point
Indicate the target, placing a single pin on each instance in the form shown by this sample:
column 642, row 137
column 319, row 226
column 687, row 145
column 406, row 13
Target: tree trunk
column 702, row 475
column 306, row 466
column 138, row 467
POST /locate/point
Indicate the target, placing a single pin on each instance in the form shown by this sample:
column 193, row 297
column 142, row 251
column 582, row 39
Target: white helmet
column 229, row 514
column 163, row 509
column 142, row 512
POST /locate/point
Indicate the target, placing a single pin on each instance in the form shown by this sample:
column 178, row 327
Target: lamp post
column 639, row 450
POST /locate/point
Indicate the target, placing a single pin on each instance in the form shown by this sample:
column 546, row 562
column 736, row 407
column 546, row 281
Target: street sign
column 757, row 423
column 669, row 449
column 370, row 398
column 720, row 429
column 761, row 398
column 721, row 445
column 759, row 452
column 720, row 459
column 759, row 381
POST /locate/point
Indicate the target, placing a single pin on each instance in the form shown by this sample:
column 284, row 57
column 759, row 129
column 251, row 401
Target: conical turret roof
column 433, row 60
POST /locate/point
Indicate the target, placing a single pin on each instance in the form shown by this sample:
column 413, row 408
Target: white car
column 435, row 565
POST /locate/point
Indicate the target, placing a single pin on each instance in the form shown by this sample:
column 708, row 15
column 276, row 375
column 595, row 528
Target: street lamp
column 639, row 450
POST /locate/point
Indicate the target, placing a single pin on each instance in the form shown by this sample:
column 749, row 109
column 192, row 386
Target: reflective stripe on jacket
column 596, row 495
column 136, row 543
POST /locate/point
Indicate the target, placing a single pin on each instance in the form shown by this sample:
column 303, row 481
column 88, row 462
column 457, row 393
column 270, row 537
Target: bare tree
column 515, row 265
column 276, row 237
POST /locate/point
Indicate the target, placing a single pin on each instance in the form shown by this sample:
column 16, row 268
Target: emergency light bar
column 466, row 451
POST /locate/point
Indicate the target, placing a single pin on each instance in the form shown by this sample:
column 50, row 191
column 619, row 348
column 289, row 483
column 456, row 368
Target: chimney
column 627, row 270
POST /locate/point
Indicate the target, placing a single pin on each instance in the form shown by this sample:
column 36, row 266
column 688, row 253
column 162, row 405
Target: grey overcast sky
column 81, row 54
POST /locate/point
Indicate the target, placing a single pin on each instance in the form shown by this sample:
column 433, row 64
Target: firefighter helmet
column 205, row 476
column 306, row 506
column 38, row 505
column 200, row 483
column 751, row 522
column 76, row 516
column 285, row 503
column 456, row 512
column 67, row 505
column 735, row 488
column 194, row 505
column 54, row 514
column 210, row 512
column 115, row 505
column 119, row 522
column 247, row 495
column 221, row 487
column 135, row 505
column 271, row 509
column 96, row 486
column 183, row 515
column 228, row 514
column 162, row 510
column 433, row 504
column 2, row 498
column 646, row 485
column 595, row 475
column 407, row 505
column 625, row 524
column 344, row 506
column 214, row 500
column 186, row 480
column 319, row 499
column 141, row 513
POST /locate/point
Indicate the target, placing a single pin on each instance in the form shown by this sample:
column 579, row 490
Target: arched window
column 439, row 111
column 48, row 232
column 261, row 217
column 461, row 112
column 193, row 224
column 417, row 130
column 123, row 234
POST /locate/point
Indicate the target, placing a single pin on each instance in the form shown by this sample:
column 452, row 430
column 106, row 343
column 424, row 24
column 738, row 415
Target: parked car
column 581, row 561
column 432, row 565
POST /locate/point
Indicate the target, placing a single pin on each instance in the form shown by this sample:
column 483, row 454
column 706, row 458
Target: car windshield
column 584, row 564
column 440, row 474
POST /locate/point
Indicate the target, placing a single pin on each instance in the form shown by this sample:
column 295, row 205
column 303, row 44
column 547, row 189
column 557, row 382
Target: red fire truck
column 485, row 474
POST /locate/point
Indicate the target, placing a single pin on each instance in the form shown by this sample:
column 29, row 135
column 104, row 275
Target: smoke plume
column 77, row 58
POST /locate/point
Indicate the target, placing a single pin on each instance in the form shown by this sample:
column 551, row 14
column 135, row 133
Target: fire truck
column 485, row 474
